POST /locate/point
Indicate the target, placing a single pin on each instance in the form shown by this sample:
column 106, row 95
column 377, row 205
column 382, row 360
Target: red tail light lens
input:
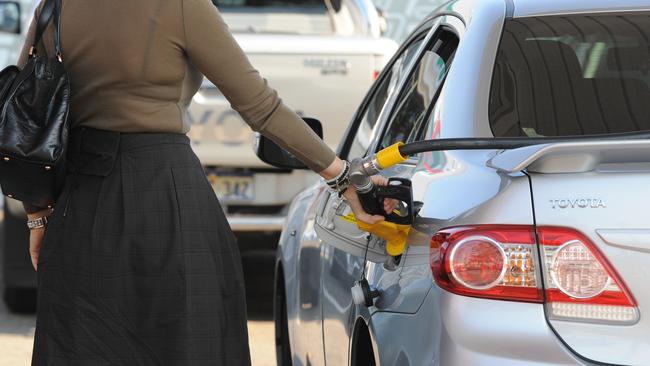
column 577, row 272
column 495, row 262
column 501, row 262
column 477, row 262
column 580, row 282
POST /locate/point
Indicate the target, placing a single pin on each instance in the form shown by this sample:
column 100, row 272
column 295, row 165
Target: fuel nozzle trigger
column 399, row 189
column 396, row 228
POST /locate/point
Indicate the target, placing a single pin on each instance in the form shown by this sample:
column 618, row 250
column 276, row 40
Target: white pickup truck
column 321, row 56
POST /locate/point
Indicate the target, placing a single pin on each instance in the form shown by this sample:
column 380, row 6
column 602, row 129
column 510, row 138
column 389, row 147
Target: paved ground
column 16, row 331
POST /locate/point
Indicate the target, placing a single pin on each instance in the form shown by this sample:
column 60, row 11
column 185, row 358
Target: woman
column 138, row 265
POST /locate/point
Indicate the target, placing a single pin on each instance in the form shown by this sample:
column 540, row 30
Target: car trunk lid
column 598, row 189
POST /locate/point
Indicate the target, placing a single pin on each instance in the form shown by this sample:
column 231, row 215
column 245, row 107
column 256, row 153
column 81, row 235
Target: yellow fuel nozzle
column 395, row 229
column 390, row 156
column 394, row 234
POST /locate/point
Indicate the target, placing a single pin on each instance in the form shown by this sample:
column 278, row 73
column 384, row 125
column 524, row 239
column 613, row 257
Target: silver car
column 530, row 245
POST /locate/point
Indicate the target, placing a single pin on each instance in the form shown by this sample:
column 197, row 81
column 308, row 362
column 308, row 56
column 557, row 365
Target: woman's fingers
column 361, row 215
column 35, row 242
column 379, row 180
column 390, row 205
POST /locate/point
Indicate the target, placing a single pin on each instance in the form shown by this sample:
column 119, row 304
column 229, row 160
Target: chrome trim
column 256, row 223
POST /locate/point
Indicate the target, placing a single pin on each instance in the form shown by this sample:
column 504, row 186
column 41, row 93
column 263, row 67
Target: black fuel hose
column 506, row 143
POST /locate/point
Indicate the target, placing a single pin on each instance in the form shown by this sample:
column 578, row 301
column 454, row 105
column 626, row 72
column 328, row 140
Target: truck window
column 421, row 90
column 300, row 17
column 572, row 75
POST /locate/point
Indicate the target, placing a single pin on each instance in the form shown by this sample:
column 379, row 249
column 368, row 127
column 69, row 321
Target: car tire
column 20, row 300
column 362, row 351
column 282, row 344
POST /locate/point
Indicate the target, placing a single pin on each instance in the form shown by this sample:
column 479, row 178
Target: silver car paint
column 414, row 322
column 527, row 8
column 484, row 332
column 626, row 345
column 299, row 246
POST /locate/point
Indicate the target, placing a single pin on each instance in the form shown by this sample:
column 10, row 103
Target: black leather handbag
column 34, row 120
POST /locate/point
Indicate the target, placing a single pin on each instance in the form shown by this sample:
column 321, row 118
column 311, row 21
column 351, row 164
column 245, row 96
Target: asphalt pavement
column 17, row 331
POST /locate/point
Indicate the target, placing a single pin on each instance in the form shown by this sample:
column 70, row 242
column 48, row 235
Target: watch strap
column 38, row 223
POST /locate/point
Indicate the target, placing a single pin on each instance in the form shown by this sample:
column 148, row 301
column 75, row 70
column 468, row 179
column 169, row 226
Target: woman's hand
column 35, row 241
column 351, row 194
column 36, row 237
column 355, row 205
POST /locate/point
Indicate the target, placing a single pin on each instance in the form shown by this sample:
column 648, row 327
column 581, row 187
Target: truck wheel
column 282, row 345
column 20, row 300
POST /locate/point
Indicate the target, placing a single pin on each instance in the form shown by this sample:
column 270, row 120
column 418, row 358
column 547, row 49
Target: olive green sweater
column 134, row 66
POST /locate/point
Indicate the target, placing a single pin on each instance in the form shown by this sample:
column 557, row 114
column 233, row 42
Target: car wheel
column 282, row 345
column 20, row 300
column 362, row 351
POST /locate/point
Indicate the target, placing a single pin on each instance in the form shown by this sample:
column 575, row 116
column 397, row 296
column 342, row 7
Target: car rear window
column 572, row 75
column 270, row 3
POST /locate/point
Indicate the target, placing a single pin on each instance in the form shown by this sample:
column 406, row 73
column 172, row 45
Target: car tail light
column 375, row 75
column 580, row 283
column 501, row 262
column 487, row 261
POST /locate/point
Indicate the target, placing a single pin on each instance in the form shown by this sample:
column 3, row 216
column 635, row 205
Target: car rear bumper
column 454, row 330
column 492, row 332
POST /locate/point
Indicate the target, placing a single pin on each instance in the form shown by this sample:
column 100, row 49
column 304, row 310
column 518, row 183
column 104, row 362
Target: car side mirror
column 272, row 154
column 10, row 17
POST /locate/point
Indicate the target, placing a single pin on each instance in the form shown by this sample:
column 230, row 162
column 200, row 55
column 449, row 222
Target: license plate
column 233, row 187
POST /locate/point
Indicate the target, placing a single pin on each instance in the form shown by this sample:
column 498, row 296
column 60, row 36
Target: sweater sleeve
column 213, row 50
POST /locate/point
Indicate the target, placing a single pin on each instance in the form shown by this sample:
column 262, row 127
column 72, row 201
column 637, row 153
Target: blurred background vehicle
column 534, row 254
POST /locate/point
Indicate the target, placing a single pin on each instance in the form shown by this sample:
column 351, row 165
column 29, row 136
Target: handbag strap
column 51, row 10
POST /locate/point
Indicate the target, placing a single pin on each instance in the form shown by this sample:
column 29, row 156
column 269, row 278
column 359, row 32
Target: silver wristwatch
column 39, row 223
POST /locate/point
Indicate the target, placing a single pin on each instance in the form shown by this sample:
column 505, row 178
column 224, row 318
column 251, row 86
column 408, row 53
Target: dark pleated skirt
column 139, row 265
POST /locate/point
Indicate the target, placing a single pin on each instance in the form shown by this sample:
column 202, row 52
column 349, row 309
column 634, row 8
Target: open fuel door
column 337, row 226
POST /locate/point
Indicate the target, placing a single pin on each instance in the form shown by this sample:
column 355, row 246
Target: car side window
column 421, row 90
column 389, row 83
